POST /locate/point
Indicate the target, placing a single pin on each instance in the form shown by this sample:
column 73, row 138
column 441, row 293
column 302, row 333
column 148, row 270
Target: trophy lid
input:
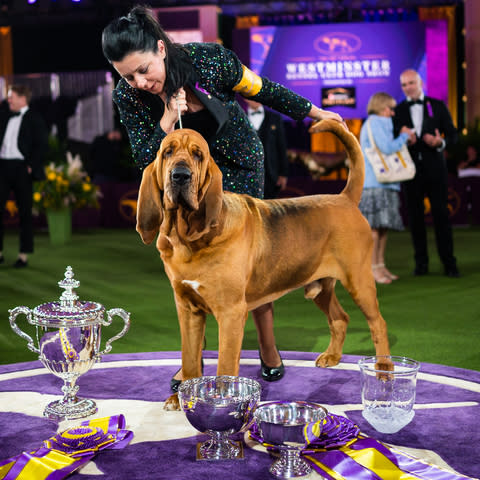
column 69, row 311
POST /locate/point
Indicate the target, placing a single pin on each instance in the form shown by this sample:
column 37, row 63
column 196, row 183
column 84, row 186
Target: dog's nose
column 181, row 175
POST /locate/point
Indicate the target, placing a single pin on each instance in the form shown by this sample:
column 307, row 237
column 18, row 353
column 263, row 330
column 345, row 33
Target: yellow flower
column 51, row 176
column 37, row 196
column 86, row 187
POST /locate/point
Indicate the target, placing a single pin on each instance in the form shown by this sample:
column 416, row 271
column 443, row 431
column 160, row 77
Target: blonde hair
column 379, row 101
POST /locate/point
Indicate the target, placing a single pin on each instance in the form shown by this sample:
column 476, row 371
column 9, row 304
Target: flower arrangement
column 67, row 185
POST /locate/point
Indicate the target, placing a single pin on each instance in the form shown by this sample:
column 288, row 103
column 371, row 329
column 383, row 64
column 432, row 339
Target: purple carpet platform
column 445, row 431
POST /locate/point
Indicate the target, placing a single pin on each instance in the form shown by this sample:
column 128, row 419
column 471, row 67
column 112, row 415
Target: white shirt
column 256, row 117
column 9, row 149
column 416, row 112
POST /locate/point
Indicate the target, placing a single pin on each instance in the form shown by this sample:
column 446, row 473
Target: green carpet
column 432, row 319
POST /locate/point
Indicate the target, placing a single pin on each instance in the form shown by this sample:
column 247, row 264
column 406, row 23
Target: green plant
column 66, row 185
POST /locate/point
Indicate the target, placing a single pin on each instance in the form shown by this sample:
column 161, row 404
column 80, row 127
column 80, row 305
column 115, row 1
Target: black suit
column 14, row 176
column 273, row 138
column 431, row 180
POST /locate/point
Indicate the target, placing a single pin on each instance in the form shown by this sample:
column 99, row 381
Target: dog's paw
column 327, row 360
column 172, row 403
column 384, row 366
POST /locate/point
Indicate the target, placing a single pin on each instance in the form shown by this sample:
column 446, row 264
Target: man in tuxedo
column 270, row 129
column 23, row 145
column 434, row 131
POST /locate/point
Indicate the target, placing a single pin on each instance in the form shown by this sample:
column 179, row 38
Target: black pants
column 14, row 177
column 430, row 180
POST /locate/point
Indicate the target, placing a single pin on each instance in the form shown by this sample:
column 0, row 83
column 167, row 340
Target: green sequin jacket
column 236, row 147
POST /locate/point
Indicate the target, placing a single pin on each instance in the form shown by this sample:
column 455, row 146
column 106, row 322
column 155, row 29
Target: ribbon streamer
column 65, row 452
column 335, row 448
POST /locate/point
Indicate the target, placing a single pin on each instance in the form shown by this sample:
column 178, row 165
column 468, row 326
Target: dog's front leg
column 192, row 330
column 231, row 324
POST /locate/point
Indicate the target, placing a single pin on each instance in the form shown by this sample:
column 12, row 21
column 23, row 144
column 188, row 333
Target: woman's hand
column 175, row 107
column 319, row 114
column 412, row 136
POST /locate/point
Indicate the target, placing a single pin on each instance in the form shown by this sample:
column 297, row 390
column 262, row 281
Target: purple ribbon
column 429, row 109
column 80, row 443
column 336, row 431
column 201, row 89
column 340, row 463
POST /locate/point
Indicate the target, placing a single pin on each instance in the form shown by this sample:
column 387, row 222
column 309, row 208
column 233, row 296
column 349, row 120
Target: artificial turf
column 432, row 319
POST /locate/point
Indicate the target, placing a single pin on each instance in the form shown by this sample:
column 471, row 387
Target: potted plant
column 66, row 187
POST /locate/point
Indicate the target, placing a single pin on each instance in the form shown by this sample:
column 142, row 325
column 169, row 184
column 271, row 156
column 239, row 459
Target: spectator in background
column 105, row 156
column 270, row 129
column 471, row 158
column 434, row 130
column 23, row 145
column 380, row 203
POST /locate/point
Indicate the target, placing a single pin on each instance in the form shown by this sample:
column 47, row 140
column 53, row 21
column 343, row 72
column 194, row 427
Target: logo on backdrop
column 344, row 96
column 127, row 205
column 335, row 72
column 454, row 203
column 337, row 42
column 11, row 215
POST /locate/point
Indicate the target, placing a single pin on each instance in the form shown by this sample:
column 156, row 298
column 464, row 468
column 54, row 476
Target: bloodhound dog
column 226, row 254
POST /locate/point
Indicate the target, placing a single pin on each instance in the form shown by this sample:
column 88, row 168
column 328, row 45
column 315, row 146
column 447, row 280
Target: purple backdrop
column 366, row 57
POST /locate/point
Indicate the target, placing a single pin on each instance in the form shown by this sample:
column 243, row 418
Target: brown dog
column 226, row 253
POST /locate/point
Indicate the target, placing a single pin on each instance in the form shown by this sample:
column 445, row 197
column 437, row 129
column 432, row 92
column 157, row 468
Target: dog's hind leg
column 337, row 319
column 364, row 293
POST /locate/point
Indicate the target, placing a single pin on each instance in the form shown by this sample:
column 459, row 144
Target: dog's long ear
column 210, row 198
column 149, row 206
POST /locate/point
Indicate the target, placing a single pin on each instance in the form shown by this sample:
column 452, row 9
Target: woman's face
column 144, row 70
column 388, row 110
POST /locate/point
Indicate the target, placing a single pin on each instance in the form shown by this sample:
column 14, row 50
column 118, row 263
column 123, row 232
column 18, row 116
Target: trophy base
column 290, row 465
column 226, row 451
column 60, row 410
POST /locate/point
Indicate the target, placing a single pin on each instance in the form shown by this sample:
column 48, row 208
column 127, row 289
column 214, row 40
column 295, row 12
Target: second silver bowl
column 282, row 424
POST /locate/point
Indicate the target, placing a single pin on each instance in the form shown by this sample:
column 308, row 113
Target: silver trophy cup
column 220, row 407
column 281, row 424
column 68, row 336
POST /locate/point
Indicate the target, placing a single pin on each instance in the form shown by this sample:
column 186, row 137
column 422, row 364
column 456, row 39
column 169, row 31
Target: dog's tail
column 356, row 175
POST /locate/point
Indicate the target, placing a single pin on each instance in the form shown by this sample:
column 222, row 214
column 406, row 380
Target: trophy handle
column 28, row 313
column 125, row 316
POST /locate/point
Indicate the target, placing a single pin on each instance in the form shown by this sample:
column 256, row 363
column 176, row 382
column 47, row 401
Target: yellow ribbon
column 250, row 84
column 67, row 451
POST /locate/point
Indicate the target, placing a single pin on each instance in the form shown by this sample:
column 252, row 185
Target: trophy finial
column 68, row 297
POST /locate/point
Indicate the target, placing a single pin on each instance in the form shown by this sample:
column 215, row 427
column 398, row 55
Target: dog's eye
column 168, row 152
column 197, row 155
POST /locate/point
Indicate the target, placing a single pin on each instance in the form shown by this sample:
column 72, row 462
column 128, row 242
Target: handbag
column 394, row 167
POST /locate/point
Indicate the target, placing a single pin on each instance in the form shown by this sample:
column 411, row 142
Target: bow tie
column 415, row 102
column 15, row 114
column 256, row 112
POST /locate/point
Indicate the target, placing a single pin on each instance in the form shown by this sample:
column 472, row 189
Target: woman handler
column 161, row 79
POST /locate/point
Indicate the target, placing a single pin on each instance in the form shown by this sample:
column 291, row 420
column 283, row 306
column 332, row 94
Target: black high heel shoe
column 272, row 374
column 174, row 383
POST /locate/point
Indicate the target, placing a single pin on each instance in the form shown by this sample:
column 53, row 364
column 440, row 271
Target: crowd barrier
column 118, row 205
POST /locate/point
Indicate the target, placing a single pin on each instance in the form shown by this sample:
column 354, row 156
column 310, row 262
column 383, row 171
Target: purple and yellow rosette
column 65, row 452
column 336, row 449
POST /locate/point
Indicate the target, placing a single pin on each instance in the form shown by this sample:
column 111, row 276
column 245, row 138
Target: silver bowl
column 219, row 406
column 281, row 424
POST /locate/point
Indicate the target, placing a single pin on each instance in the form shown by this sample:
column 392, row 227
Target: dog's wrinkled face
column 184, row 156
